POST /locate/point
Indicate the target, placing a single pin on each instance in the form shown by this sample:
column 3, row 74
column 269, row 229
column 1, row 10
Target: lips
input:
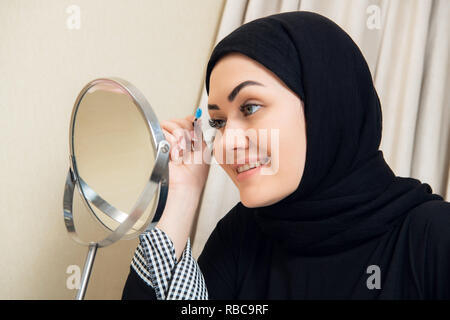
column 250, row 162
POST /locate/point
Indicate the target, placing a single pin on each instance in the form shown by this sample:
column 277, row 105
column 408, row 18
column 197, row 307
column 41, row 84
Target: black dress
column 411, row 261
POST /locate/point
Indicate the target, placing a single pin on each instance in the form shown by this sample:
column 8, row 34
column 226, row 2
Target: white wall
column 162, row 47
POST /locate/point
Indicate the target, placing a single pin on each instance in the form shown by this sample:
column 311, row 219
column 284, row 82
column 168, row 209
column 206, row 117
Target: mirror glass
column 113, row 150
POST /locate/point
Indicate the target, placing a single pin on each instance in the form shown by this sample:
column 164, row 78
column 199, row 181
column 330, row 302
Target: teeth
column 246, row 167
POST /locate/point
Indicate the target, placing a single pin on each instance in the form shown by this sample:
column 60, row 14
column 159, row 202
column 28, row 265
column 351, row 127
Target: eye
column 249, row 106
column 217, row 123
column 214, row 123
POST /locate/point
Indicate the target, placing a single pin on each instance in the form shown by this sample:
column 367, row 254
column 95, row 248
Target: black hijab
column 347, row 194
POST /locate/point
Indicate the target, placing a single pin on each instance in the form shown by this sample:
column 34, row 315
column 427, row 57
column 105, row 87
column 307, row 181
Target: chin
column 251, row 202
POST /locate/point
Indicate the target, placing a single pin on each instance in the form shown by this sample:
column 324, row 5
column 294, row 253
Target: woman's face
column 264, row 119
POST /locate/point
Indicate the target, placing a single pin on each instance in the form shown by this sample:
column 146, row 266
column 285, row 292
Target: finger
column 169, row 126
column 181, row 129
column 187, row 127
column 169, row 137
column 190, row 118
column 174, row 153
column 184, row 123
column 175, row 130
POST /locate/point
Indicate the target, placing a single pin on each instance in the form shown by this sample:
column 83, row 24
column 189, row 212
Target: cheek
column 291, row 155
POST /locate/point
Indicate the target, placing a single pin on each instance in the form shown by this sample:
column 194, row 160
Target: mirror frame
column 159, row 175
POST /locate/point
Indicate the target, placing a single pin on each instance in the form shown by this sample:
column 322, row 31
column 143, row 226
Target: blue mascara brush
column 198, row 114
column 197, row 126
column 198, row 130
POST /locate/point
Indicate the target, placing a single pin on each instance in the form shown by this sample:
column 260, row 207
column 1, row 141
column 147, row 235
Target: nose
column 234, row 142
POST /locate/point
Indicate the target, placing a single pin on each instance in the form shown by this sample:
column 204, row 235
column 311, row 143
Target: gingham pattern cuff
column 155, row 262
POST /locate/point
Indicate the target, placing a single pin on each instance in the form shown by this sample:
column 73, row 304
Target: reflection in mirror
column 113, row 150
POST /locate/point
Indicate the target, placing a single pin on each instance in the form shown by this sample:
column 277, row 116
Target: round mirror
column 119, row 163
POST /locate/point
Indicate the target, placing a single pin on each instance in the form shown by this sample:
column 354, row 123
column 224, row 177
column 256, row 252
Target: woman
column 328, row 219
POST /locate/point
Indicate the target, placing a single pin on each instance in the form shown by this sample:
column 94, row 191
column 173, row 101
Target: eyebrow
column 235, row 92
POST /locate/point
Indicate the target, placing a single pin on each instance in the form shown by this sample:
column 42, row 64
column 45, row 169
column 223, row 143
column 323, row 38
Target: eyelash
column 213, row 122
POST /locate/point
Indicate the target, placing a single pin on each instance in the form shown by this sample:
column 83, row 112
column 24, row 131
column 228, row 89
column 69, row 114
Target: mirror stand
column 107, row 112
column 87, row 270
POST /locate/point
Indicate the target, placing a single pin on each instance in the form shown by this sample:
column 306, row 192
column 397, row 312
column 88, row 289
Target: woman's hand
column 188, row 171
column 187, row 168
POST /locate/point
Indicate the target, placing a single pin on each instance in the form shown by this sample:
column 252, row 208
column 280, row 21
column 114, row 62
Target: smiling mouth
column 246, row 167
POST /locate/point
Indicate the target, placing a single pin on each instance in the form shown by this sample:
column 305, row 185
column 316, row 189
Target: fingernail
column 183, row 144
column 198, row 130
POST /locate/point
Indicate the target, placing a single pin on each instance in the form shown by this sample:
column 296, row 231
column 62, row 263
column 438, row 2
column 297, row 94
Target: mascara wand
column 197, row 127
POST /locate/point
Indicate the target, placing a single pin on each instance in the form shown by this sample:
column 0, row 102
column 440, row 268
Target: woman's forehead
column 227, row 77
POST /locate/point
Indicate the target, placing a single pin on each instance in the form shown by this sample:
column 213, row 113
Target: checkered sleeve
column 155, row 262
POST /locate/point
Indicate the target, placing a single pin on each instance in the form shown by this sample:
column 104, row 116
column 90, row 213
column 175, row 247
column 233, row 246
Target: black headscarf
column 347, row 194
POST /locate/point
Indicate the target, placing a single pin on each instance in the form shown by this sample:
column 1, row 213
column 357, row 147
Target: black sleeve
column 218, row 260
column 437, row 263
column 136, row 289
column 431, row 242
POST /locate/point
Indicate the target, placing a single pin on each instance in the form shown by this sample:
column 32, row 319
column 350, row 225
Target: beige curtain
column 406, row 44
